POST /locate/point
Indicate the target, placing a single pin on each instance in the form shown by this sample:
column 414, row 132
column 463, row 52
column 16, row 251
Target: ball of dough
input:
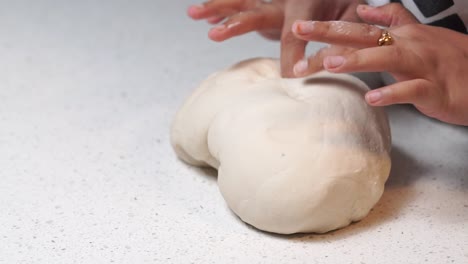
column 293, row 155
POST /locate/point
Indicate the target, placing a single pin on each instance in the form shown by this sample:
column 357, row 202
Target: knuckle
column 370, row 31
column 324, row 29
column 397, row 55
column 420, row 91
column 354, row 60
column 288, row 38
column 315, row 63
column 395, row 60
column 289, row 41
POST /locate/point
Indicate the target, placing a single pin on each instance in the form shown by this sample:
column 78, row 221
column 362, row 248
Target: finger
column 215, row 19
column 378, row 59
column 292, row 48
column 292, row 51
column 419, row 92
column 356, row 35
column 389, row 15
column 215, row 8
column 252, row 20
column 350, row 12
column 314, row 63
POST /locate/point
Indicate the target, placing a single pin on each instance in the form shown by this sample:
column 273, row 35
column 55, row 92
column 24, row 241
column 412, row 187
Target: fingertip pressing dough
column 293, row 155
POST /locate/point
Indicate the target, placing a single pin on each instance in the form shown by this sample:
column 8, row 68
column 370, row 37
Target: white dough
column 293, row 155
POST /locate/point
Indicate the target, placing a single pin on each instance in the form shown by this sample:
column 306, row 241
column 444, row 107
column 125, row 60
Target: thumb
column 388, row 15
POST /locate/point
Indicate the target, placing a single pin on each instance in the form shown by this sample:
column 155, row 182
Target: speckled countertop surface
column 87, row 175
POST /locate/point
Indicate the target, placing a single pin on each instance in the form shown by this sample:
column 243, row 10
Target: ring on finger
column 385, row 39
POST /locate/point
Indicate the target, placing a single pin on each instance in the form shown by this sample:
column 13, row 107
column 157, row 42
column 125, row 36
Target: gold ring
column 385, row 39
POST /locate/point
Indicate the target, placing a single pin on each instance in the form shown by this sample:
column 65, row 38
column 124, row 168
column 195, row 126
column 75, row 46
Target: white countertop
column 88, row 90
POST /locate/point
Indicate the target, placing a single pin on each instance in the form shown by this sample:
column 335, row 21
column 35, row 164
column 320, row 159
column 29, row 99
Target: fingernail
column 195, row 7
column 301, row 67
column 193, row 10
column 303, row 27
column 374, row 96
column 333, row 61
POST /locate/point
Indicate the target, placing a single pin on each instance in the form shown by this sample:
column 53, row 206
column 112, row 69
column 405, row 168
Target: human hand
column 430, row 64
column 272, row 19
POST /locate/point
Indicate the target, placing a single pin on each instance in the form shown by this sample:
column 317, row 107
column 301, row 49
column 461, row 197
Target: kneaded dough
column 293, row 155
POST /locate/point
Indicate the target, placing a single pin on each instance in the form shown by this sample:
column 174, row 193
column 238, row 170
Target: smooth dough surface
column 293, row 155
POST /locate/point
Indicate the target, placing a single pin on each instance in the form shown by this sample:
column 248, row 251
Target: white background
column 88, row 90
